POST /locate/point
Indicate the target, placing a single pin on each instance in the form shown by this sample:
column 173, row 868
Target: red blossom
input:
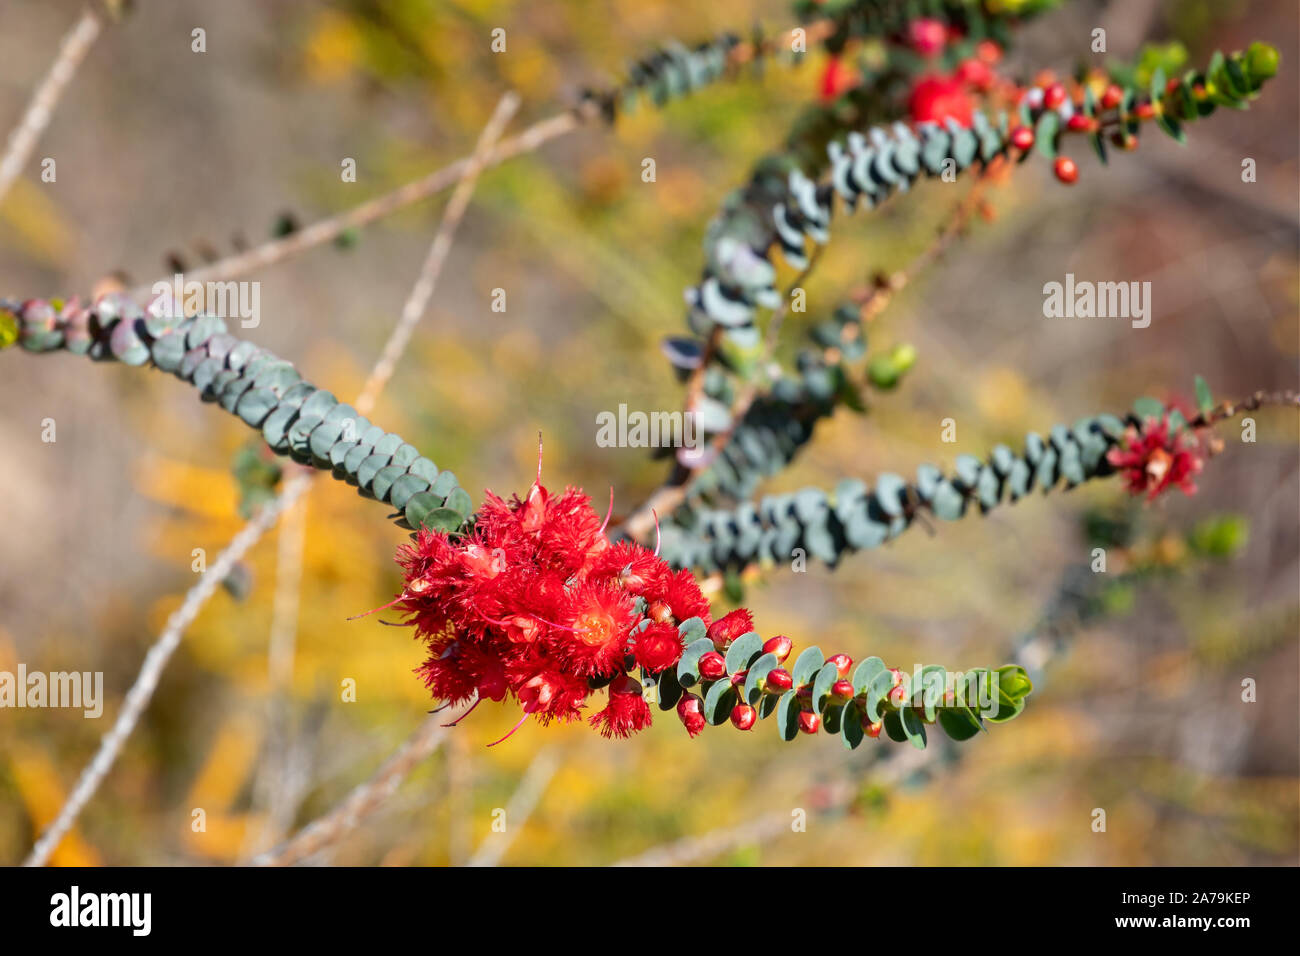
column 836, row 79
column 729, row 627
column 936, row 99
column 658, row 647
column 626, row 712
column 536, row 603
column 1157, row 457
column 927, row 36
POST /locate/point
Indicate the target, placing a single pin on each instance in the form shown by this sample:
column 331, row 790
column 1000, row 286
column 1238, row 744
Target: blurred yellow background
column 162, row 152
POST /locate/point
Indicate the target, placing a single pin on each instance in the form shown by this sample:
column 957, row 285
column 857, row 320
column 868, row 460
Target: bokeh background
column 164, row 153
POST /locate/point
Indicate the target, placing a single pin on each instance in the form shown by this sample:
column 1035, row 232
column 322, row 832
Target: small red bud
column 898, row 696
column 1112, row 97
column 1022, row 138
column 898, row 675
column 660, row 612
column 842, row 689
column 1054, row 96
column 1066, row 170
column 1078, row 123
column 691, row 711
column 712, row 666
column 743, row 716
column 780, row 646
column 809, row 721
column 1144, row 111
column 778, row 678
column 873, row 729
column 843, row 663
column 988, row 51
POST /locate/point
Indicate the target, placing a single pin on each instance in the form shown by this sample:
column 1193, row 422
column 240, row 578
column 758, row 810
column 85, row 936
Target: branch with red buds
column 745, row 680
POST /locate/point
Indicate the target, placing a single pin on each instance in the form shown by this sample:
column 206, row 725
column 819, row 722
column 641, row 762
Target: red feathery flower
column 536, row 601
column 658, row 647
column 682, row 594
column 936, row 99
column 1157, row 457
column 626, row 711
column 730, row 626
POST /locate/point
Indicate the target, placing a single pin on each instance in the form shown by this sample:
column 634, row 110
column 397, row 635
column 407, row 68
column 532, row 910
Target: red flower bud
column 898, row 696
column 843, row 663
column 778, row 678
column 842, row 689
column 780, row 646
column 712, row 666
column 1066, row 170
column 927, row 36
column 1054, row 96
column 872, row 729
column 660, row 612
column 1144, row 111
column 809, row 721
column 1078, row 123
column 987, row 51
column 1022, row 138
column 729, row 627
column 1112, row 97
column 743, row 716
column 691, row 710
column 898, row 675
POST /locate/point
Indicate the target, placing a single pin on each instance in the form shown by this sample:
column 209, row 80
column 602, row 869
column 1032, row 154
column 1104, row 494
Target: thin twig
column 156, row 659
column 271, row 784
column 362, row 801
column 519, row 807
column 418, row 300
column 318, row 233
column 74, row 46
column 532, row 138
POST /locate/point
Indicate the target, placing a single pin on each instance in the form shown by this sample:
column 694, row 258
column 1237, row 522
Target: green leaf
column 670, row 691
column 894, row 727
column 691, row 630
column 719, row 701
column 1204, row 397
column 1145, row 408
column 758, row 670
column 1045, row 134
column 1013, row 680
column 787, row 715
column 851, row 732
column 419, row 507
column 826, row 678
column 865, row 673
column 806, row 666
column 959, row 723
column 744, row 651
column 442, row 519
column 913, row 728
column 877, row 691
column 460, row 501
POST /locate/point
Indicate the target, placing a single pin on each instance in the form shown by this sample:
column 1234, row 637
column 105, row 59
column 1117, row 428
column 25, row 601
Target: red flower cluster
column 1158, row 457
column 537, row 603
column 938, row 97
